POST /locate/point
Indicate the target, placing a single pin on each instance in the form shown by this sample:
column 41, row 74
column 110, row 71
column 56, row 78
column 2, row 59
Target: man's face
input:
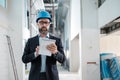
column 43, row 25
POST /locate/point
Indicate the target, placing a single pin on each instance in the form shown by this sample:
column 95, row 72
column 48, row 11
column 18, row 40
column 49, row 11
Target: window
column 100, row 2
column 3, row 3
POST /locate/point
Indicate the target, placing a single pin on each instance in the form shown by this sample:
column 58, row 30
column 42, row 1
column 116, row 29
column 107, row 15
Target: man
column 43, row 67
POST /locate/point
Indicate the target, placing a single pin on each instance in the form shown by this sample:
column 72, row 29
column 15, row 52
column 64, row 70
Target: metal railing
column 12, row 58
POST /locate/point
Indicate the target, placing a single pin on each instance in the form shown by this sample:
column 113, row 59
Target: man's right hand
column 37, row 50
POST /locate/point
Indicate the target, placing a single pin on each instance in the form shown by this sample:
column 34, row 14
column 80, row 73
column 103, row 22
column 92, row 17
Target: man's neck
column 44, row 35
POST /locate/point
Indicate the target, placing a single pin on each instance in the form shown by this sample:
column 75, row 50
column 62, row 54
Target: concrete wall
column 15, row 10
column 75, row 18
column 75, row 56
column 90, row 41
column 84, row 22
column 3, row 43
column 108, row 11
column 75, row 26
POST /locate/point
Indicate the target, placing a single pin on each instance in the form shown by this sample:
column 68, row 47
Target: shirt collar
column 46, row 36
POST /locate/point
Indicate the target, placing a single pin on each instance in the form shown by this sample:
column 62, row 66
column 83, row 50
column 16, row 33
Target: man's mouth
column 43, row 30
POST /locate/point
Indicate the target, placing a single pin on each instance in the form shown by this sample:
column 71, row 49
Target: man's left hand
column 52, row 48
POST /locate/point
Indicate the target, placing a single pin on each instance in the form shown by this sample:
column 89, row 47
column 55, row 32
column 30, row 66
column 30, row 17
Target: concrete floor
column 64, row 74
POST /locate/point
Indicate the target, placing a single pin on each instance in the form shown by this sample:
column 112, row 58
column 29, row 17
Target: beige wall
column 75, row 56
column 110, row 44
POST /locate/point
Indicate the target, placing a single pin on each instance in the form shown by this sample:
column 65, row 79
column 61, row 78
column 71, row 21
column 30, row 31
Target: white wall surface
column 75, row 55
column 75, row 28
column 90, row 40
column 3, row 45
column 90, row 53
column 15, row 12
column 75, row 18
column 3, row 18
column 4, row 55
column 108, row 12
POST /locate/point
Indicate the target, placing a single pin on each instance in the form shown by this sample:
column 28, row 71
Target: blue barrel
column 110, row 67
column 104, row 66
column 114, row 68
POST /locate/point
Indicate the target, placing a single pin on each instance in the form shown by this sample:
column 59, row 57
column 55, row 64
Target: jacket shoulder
column 53, row 36
column 33, row 38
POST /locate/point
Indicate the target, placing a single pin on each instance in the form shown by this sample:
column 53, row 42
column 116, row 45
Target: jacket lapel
column 51, row 37
column 37, row 40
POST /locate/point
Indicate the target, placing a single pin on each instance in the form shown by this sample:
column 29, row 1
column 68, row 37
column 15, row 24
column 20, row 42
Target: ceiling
column 111, row 27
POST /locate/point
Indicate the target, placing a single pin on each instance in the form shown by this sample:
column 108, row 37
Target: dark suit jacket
column 51, row 68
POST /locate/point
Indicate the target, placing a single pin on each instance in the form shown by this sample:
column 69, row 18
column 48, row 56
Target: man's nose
column 44, row 24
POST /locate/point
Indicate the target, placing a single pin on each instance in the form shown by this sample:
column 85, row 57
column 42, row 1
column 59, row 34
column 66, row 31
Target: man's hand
column 37, row 50
column 52, row 48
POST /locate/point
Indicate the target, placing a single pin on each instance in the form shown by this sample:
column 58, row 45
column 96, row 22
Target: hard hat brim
column 43, row 18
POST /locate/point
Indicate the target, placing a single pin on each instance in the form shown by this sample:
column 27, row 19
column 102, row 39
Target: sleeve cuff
column 55, row 55
column 35, row 54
